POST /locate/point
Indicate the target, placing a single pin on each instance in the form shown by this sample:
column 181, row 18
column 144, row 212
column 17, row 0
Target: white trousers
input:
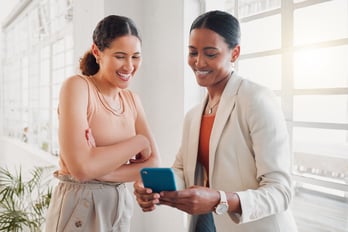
column 89, row 207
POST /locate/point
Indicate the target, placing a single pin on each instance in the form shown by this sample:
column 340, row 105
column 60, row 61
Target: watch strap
column 222, row 206
column 223, row 198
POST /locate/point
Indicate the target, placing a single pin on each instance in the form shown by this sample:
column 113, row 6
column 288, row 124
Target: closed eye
column 211, row 55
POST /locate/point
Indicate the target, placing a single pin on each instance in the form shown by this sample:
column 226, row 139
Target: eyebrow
column 124, row 53
column 206, row 48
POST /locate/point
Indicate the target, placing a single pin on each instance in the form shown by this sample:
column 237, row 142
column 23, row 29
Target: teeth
column 202, row 72
column 124, row 76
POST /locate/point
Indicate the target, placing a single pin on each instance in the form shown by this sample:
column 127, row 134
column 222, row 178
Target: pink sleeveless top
column 107, row 127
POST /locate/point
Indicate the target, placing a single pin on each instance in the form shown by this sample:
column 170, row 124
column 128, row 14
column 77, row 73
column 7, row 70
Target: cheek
column 137, row 64
column 191, row 61
column 110, row 63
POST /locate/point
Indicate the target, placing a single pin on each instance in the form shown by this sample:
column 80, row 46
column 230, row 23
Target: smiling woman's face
column 120, row 62
column 209, row 57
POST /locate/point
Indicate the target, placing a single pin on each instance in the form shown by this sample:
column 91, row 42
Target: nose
column 200, row 61
column 128, row 65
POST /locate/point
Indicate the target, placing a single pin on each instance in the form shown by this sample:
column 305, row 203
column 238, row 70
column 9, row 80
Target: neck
column 215, row 91
column 104, row 88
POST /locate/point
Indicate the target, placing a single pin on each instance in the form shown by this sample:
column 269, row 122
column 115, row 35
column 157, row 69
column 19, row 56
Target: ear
column 235, row 53
column 95, row 51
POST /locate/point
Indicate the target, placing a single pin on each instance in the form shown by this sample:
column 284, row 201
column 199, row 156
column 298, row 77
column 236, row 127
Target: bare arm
column 85, row 162
column 130, row 172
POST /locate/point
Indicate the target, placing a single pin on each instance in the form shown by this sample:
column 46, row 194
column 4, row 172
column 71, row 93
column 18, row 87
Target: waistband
column 71, row 179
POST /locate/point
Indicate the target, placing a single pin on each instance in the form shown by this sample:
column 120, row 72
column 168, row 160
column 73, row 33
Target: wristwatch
column 222, row 207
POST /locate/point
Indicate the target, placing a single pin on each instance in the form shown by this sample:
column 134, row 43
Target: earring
column 97, row 60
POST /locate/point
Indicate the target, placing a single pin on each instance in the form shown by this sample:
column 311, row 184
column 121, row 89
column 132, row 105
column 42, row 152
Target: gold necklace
column 210, row 110
column 106, row 104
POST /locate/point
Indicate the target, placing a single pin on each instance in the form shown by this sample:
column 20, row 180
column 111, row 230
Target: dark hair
column 223, row 23
column 108, row 29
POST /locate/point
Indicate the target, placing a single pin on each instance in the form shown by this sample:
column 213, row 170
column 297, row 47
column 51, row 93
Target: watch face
column 221, row 208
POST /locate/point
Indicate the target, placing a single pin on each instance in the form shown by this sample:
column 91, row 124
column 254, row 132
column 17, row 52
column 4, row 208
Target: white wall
column 164, row 83
column 160, row 86
column 86, row 14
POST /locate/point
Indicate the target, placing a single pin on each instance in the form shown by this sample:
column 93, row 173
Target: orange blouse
column 204, row 141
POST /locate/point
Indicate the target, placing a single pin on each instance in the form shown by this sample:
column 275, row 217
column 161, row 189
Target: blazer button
column 78, row 224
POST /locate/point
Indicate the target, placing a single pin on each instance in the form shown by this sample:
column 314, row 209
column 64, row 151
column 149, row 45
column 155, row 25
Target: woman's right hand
column 145, row 198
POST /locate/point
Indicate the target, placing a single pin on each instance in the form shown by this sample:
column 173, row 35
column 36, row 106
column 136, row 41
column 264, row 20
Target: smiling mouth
column 201, row 73
column 124, row 76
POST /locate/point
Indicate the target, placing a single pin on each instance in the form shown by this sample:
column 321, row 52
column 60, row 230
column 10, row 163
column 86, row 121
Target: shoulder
column 76, row 81
column 73, row 96
column 130, row 96
column 193, row 111
column 191, row 115
column 253, row 92
column 257, row 101
column 250, row 87
column 133, row 101
column 74, row 87
column 128, row 93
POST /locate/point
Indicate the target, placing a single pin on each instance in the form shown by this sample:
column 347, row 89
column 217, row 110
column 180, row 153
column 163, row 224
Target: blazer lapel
column 226, row 106
column 194, row 141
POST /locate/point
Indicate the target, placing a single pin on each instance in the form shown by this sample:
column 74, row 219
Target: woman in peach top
column 91, row 194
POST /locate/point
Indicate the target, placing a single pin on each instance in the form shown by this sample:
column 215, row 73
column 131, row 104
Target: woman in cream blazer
column 248, row 155
column 233, row 165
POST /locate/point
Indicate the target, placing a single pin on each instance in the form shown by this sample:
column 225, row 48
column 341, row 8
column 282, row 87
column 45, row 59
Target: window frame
column 288, row 90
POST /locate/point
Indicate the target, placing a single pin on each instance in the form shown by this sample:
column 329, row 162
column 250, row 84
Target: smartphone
column 158, row 179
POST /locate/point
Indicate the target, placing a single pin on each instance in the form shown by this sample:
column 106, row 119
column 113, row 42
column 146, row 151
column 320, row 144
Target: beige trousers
column 89, row 207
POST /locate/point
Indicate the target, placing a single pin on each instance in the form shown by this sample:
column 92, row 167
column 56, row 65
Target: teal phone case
column 158, row 179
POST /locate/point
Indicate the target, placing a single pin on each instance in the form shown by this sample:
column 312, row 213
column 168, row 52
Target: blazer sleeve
column 270, row 146
column 178, row 166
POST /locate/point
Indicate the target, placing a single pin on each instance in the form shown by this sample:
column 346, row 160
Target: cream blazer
column 248, row 154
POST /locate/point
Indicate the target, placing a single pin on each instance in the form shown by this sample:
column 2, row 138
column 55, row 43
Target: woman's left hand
column 89, row 137
column 194, row 200
column 139, row 158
